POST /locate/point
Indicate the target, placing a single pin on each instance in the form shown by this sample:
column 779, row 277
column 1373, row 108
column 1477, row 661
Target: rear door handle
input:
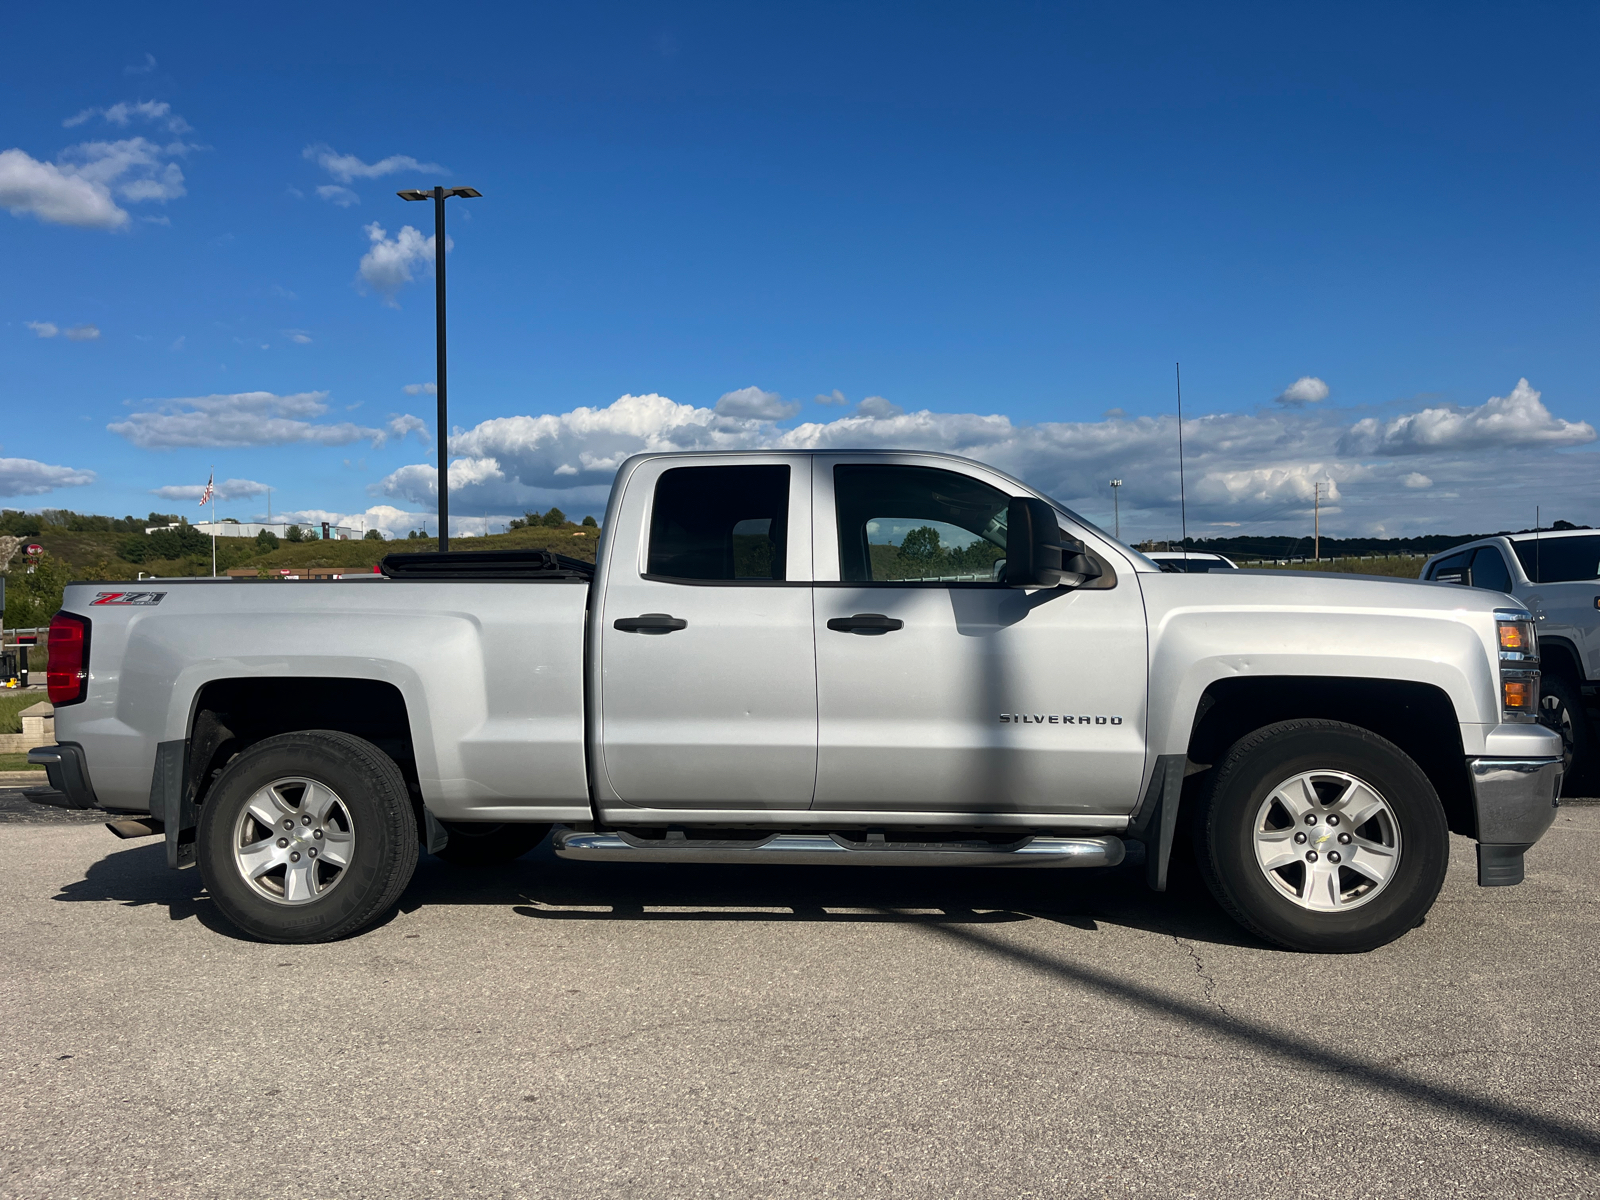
column 865, row 623
column 650, row 623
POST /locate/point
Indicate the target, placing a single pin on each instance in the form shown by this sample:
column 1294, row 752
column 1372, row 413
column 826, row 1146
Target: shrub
column 372, row 535
column 554, row 518
column 295, row 534
column 266, row 540
column 590, row 523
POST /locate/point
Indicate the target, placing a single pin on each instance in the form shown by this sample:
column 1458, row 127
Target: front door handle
column 650, row 623
column 865, row 623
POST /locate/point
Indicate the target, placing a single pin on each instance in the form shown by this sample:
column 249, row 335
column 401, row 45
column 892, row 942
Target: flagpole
column 213, row 526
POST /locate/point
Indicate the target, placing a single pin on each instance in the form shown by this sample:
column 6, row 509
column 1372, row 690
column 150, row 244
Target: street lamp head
column 465, row 193
column 1116, row 483
column 414, row 194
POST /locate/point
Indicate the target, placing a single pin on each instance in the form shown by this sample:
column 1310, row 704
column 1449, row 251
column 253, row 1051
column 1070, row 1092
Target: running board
column 825, row 849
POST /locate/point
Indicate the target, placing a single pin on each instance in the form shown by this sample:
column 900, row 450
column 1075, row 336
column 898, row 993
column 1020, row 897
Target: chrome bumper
column 1515, row 801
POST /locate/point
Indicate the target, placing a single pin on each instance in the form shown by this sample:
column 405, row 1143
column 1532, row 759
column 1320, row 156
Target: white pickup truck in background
column 874, row 658
column 1556, row 576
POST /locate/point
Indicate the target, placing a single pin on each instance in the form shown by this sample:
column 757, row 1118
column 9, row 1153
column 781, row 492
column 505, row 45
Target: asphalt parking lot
column 562, row 1030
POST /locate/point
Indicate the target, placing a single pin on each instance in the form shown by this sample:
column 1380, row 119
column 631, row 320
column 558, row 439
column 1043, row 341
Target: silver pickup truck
column 875, row 658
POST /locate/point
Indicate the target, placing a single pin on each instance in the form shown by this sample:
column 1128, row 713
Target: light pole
column 1116, row 509
column 439, row 195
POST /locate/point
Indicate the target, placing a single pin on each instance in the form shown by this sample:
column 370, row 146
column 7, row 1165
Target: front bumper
column 1515, row 801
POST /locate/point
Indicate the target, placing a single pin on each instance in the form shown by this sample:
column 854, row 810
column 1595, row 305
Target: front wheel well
column 1416, row 717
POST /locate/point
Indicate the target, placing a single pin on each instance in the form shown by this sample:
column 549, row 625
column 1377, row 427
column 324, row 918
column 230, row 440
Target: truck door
column 706, row 672
column 941, row 690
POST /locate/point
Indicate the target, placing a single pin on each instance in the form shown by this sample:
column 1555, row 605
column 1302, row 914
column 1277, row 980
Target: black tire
column 485, row 844
column 1561, row 709
column 372, row 806
column 1237, row 797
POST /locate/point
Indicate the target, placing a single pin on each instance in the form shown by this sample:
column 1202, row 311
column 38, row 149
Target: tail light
column 68, row 668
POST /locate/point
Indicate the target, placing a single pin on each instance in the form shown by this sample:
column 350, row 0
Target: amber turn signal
column 1518, row 695
column 1511, row 636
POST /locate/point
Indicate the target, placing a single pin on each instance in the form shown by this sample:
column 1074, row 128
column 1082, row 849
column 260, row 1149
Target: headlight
column 1519, row 663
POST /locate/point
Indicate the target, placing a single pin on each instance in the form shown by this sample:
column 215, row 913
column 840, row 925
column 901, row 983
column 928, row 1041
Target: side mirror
column 1036, row 553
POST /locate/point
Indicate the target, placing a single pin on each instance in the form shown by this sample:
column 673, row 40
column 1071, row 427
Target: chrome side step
column 825, row 849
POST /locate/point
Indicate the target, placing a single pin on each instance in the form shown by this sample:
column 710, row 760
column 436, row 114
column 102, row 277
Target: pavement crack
column 1205, row 975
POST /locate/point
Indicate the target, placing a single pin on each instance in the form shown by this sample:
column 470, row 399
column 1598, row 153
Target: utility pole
column 1116, row 509
column 439, row 195
column 1316, row 537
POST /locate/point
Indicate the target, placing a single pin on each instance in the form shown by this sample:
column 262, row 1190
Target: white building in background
column 319, row 531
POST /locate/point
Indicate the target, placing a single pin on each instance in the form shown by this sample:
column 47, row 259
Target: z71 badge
column 128, row 598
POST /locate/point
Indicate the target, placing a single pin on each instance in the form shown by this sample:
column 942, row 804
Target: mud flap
column 170, row 802
column 1155, row 821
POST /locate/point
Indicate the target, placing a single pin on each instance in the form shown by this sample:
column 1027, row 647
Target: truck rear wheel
column 307, row 837
column 486, row 844
column 1322, row 836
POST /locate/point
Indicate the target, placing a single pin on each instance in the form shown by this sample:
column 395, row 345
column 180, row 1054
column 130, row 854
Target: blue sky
column 1367, row 231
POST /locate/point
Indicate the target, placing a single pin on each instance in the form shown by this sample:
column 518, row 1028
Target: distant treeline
column 1284, row 546
column 26, row 524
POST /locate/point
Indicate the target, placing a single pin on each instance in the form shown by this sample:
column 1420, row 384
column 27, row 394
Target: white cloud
column 406, row 423
column 240, row 419
column 83, row 333
column 753, row 402
column 333, row 193
column 1308, row 389
column 298, row 336
column 228, row 489
column 1520, row 419
column 877, row 406
column 144, row 68
column 1416, row 479
column 43, row 329
column 421, row 389
column 54, row 194
column 123, row 113
column 386, row 266
column 835, row 397
column 28, row 477
column 1256, row 471
column 346, row 168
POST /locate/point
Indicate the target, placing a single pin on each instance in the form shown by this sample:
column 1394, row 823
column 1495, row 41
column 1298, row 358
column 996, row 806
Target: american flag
column 205, row 496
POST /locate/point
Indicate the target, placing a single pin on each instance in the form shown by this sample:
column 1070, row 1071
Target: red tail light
column 68, row 672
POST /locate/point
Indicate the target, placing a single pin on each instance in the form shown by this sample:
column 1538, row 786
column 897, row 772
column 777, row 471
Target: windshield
column 1559, row 559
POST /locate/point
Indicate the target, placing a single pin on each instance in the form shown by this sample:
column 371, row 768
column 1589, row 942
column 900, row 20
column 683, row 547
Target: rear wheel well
column 1416, row 717
column 231, row 715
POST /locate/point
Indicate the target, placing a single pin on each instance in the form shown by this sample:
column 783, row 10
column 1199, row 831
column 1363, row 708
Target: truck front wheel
column 1322, row 836
column 307, row 837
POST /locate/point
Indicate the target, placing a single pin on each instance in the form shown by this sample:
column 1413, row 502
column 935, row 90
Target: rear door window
column 1452, row 569
column 728, row 524
column 1560, row 559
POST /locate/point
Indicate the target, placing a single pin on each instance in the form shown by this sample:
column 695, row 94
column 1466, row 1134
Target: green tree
column 372, row 535
column 921, row 544
column 590, row 523
column 295, row 534
column 266, row 541
column 33, row 597
column 555, row 518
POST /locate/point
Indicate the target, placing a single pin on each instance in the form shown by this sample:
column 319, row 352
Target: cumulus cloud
column 83, row 333
column 1308, row 389
column 1519, row 419
column 123, row 114
column 421, row 389
column 334, row 193
column 228, row 489
column 1255, row 471
column 406, row 423
column 386, row 266
column 51, row 193
column 835, row 397
column 753, row 402
column 877, row 406
column 346, row 168
column 42, row 329
column 298, row 336
column 240, row 419
column 29, row 477
column 78, row 333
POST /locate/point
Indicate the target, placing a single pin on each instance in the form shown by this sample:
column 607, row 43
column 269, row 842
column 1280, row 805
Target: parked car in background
column 1192, row 562
column 1557, row 577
